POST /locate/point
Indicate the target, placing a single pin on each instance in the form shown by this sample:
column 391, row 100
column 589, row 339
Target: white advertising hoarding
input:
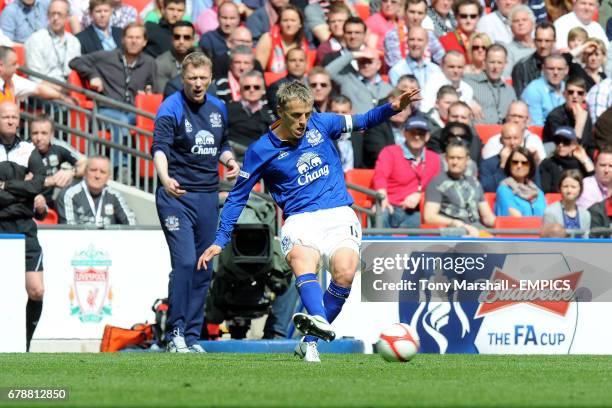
column 13, row 296
column 93, row 278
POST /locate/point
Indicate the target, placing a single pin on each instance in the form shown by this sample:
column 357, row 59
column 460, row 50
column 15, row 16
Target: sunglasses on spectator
column 575, row 92
column 251, row 87
column 184, row 37
column 319, row 85
column 470, row 16
column 458, row 135
column 521, row 162
column 563, row 141
column 479, row 48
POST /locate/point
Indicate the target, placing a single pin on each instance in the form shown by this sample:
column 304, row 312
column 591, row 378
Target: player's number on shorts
column 354, row 231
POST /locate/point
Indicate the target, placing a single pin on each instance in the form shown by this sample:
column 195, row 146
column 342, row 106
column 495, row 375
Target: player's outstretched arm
column 406, row 99
column 208, row 255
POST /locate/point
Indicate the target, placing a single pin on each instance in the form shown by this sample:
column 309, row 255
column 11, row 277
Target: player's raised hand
column 406, row 99
column 209, row 254
column 173, row 188
column 233, row 169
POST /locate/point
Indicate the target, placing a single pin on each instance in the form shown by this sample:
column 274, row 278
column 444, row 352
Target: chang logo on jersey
column 204, row 143
column 314, row 137
column 310, row 166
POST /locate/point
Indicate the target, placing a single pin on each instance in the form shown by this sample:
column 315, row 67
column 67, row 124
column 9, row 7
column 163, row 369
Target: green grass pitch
column 253, row 380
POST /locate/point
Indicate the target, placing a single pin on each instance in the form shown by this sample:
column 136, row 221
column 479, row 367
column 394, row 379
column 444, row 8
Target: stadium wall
column 12, row 293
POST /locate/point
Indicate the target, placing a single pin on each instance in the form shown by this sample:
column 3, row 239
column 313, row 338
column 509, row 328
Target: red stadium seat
column 311, row 57
column 505, row 222
column 536, row 130
column 51, row 218
column 272, row 77
column 485, row 132
column 490, row 197
column 21, row 55
column 363, row 178
column 139, row 5
column 362, row 10
column 149, row 103
column 552, row 198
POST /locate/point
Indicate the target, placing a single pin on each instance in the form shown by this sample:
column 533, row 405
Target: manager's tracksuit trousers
column 189, row 224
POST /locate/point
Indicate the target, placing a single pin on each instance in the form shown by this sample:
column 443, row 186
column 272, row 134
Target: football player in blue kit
column 189, row 140
column 300, row 166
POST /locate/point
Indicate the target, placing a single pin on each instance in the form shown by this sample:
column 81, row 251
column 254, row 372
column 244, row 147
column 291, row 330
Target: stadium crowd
column 516, row 109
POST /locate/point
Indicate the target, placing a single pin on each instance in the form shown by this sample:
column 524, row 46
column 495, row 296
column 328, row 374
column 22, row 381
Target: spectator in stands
column 546, row 92
column 558, row 8
column 364, row 88
column 215, row 43
column 458, row 112
column 490, row 91
column 522, row 23
column 517, row 195
column 594, row 60
column 414, row 63
column 61, row 162
column 240, row 36
column 598, row 187
column 14, row 87
column 601, row 214
column 497, row 23
column 100, row 35
column 438, row 115
column 403, row 172
column 477, row 50
column 272, row 47
column 457, row 130
column 467, row 13
column 159, row 35
column 599, row 99
column 581, row 16
column 249, row 117
column 518, row 113
column 453, row 65
column 530, row 68
column 385, row 20
column 168, row 64
column 566, row 212
column 262, row 19
column 385, row 134
column 442, row 17
column 296, row 71
column 92, row 201
column 122, row 16
column 49, row 50
column 491, row 171
column 227, row 87
column 553, row 230
column 354, row 40
column 21, row 18
column 331, row 34
column 573, row 114
column 603, row 136
column 395, row 43
column 320, row 83
column 568, row 155
column 120, row 75
column 454, row 199
column 350, row 145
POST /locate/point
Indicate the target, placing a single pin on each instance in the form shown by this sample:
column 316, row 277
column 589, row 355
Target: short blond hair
column 293, row 91
column 196, row 59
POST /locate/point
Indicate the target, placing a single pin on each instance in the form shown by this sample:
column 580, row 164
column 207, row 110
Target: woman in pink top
column 385, row 20
column 402, row 173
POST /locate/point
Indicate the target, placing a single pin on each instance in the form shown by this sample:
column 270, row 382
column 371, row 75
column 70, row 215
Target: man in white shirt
column 518, row 113
column 414, row 63
column 453, row 65
column 49, row 50
column 582, row 16
column 496, row 24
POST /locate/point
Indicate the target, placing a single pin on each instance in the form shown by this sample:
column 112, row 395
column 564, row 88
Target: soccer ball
column 398, row 343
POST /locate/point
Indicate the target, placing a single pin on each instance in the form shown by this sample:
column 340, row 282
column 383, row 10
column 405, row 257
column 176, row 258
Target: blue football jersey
column 302, row 178
column 192, row 136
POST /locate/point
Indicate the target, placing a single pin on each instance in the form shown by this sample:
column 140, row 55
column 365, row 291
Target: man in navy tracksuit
column 190, row 138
